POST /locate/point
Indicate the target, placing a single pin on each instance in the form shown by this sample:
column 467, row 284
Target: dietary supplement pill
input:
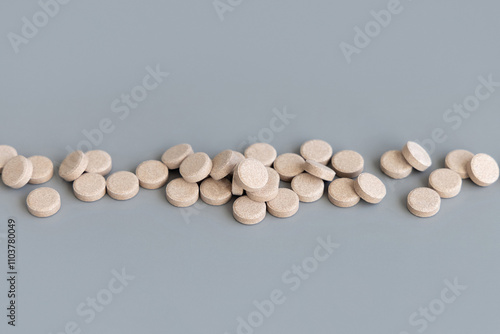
column 6, row 153
column 416, row 156
column 174, row 156
column 43, row 169
column 251, row 174
column 122, row 185
column 348, row 163
column 215, row 192
column 90, row 187
column 43, row 202
column 423, row 202
column 317, row 150
column 263, row 152
column 445, row 182
column 270, row 190
column 308, row 187
column 236, row 189
column 483, row 170
column 285, row 205
column 370, row 188
column 342, row 194
column 73, row 166
column 319, row 170
column 17, row 172
column 289, row 165
column 99, row 162
column 152, row 174
column 247, row 211
column 457, row 161
column 181, row 193
column 394, row 165
column 196, row 167
column 224, row 163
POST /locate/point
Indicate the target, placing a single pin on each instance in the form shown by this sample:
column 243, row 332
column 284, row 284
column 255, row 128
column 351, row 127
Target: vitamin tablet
column 43, row 202
column 369, row 188
column 289, row 165
column 224, row 163
column 446, row 182
column 263, row 152
column 457, row 161
column 174, row 156
column 73, row 166
column 99, row 162
column 347, row 163
column 309, row 188
column 90, row 187
column 394, row 165
column 248, row 212
column 319, row 170
column 6, row 153
column 416, row 156
column 342, row 194
column 17, row 172
column 122, row 185
column 285, row 205
column 251, row 175
column 215, row 192
column 270, row 190
column 196, row 167
column 152, row 174
column 236, row 189
column 483, row 170
column 317, row 150
column 43, row 169
column 181, row 193
column 423, row 202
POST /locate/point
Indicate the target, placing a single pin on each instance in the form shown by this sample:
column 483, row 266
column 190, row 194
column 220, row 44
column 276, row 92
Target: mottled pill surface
column 100, row 162
column 43, row 202
column 6, row 153
column 263, row 152
column 174, row 156
column 90, row 187
column 43, row 169
column 445, row 182
column 196, row 167
column 215, row 192
column 285, row 204
column 122, row 185
column 416, row 156
column 152, row 174
column 319, row 170
column 458, row 160
column 270, row 190
column 17, row 172
column 317, row 150
column 423, row 202
column 73, row 166
column 342, row 194
column 289, row 165
column 370, row 188
column 181, row 193
column 394, row 165
column 308, row 187
column 483, row 170
column 224, row 163
column 251, row 174
column 247, row 211
column 348, row 163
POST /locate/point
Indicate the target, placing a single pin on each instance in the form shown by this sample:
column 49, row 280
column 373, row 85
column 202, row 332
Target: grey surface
column 199, row 274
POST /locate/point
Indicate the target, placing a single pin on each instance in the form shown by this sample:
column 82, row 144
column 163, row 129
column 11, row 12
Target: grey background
column 199, row 274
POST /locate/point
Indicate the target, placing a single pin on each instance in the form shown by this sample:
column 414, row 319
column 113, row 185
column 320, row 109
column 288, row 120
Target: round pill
column 348, row 163
column 251, row 174
column 122, row 185
column 394, row 165
column 309, row 188
column 196, row 167
column 446, row 182
column 17, row 172
column 247, row 211
column 270, row 190
column 181, row 193
column 224, row 163
column 152, row 174
column 319, row 170
column 90, row 187
column 174, row 156
column 215, row 192
column 416, row 156
column 483, row 170
column 423, row 202
column 73, row 166
column 239, row 158
column 342, row 194
column 100, row 162
column 285, row 205
column 289, row 165
column 43, row 169
column 236, row 189
column 369, row 188
column 457, row 161
column 43, row 202
column 6, row 153
column 317, row 150
column 263, row 152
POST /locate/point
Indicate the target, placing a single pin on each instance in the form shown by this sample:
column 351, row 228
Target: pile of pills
column 255, row 177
